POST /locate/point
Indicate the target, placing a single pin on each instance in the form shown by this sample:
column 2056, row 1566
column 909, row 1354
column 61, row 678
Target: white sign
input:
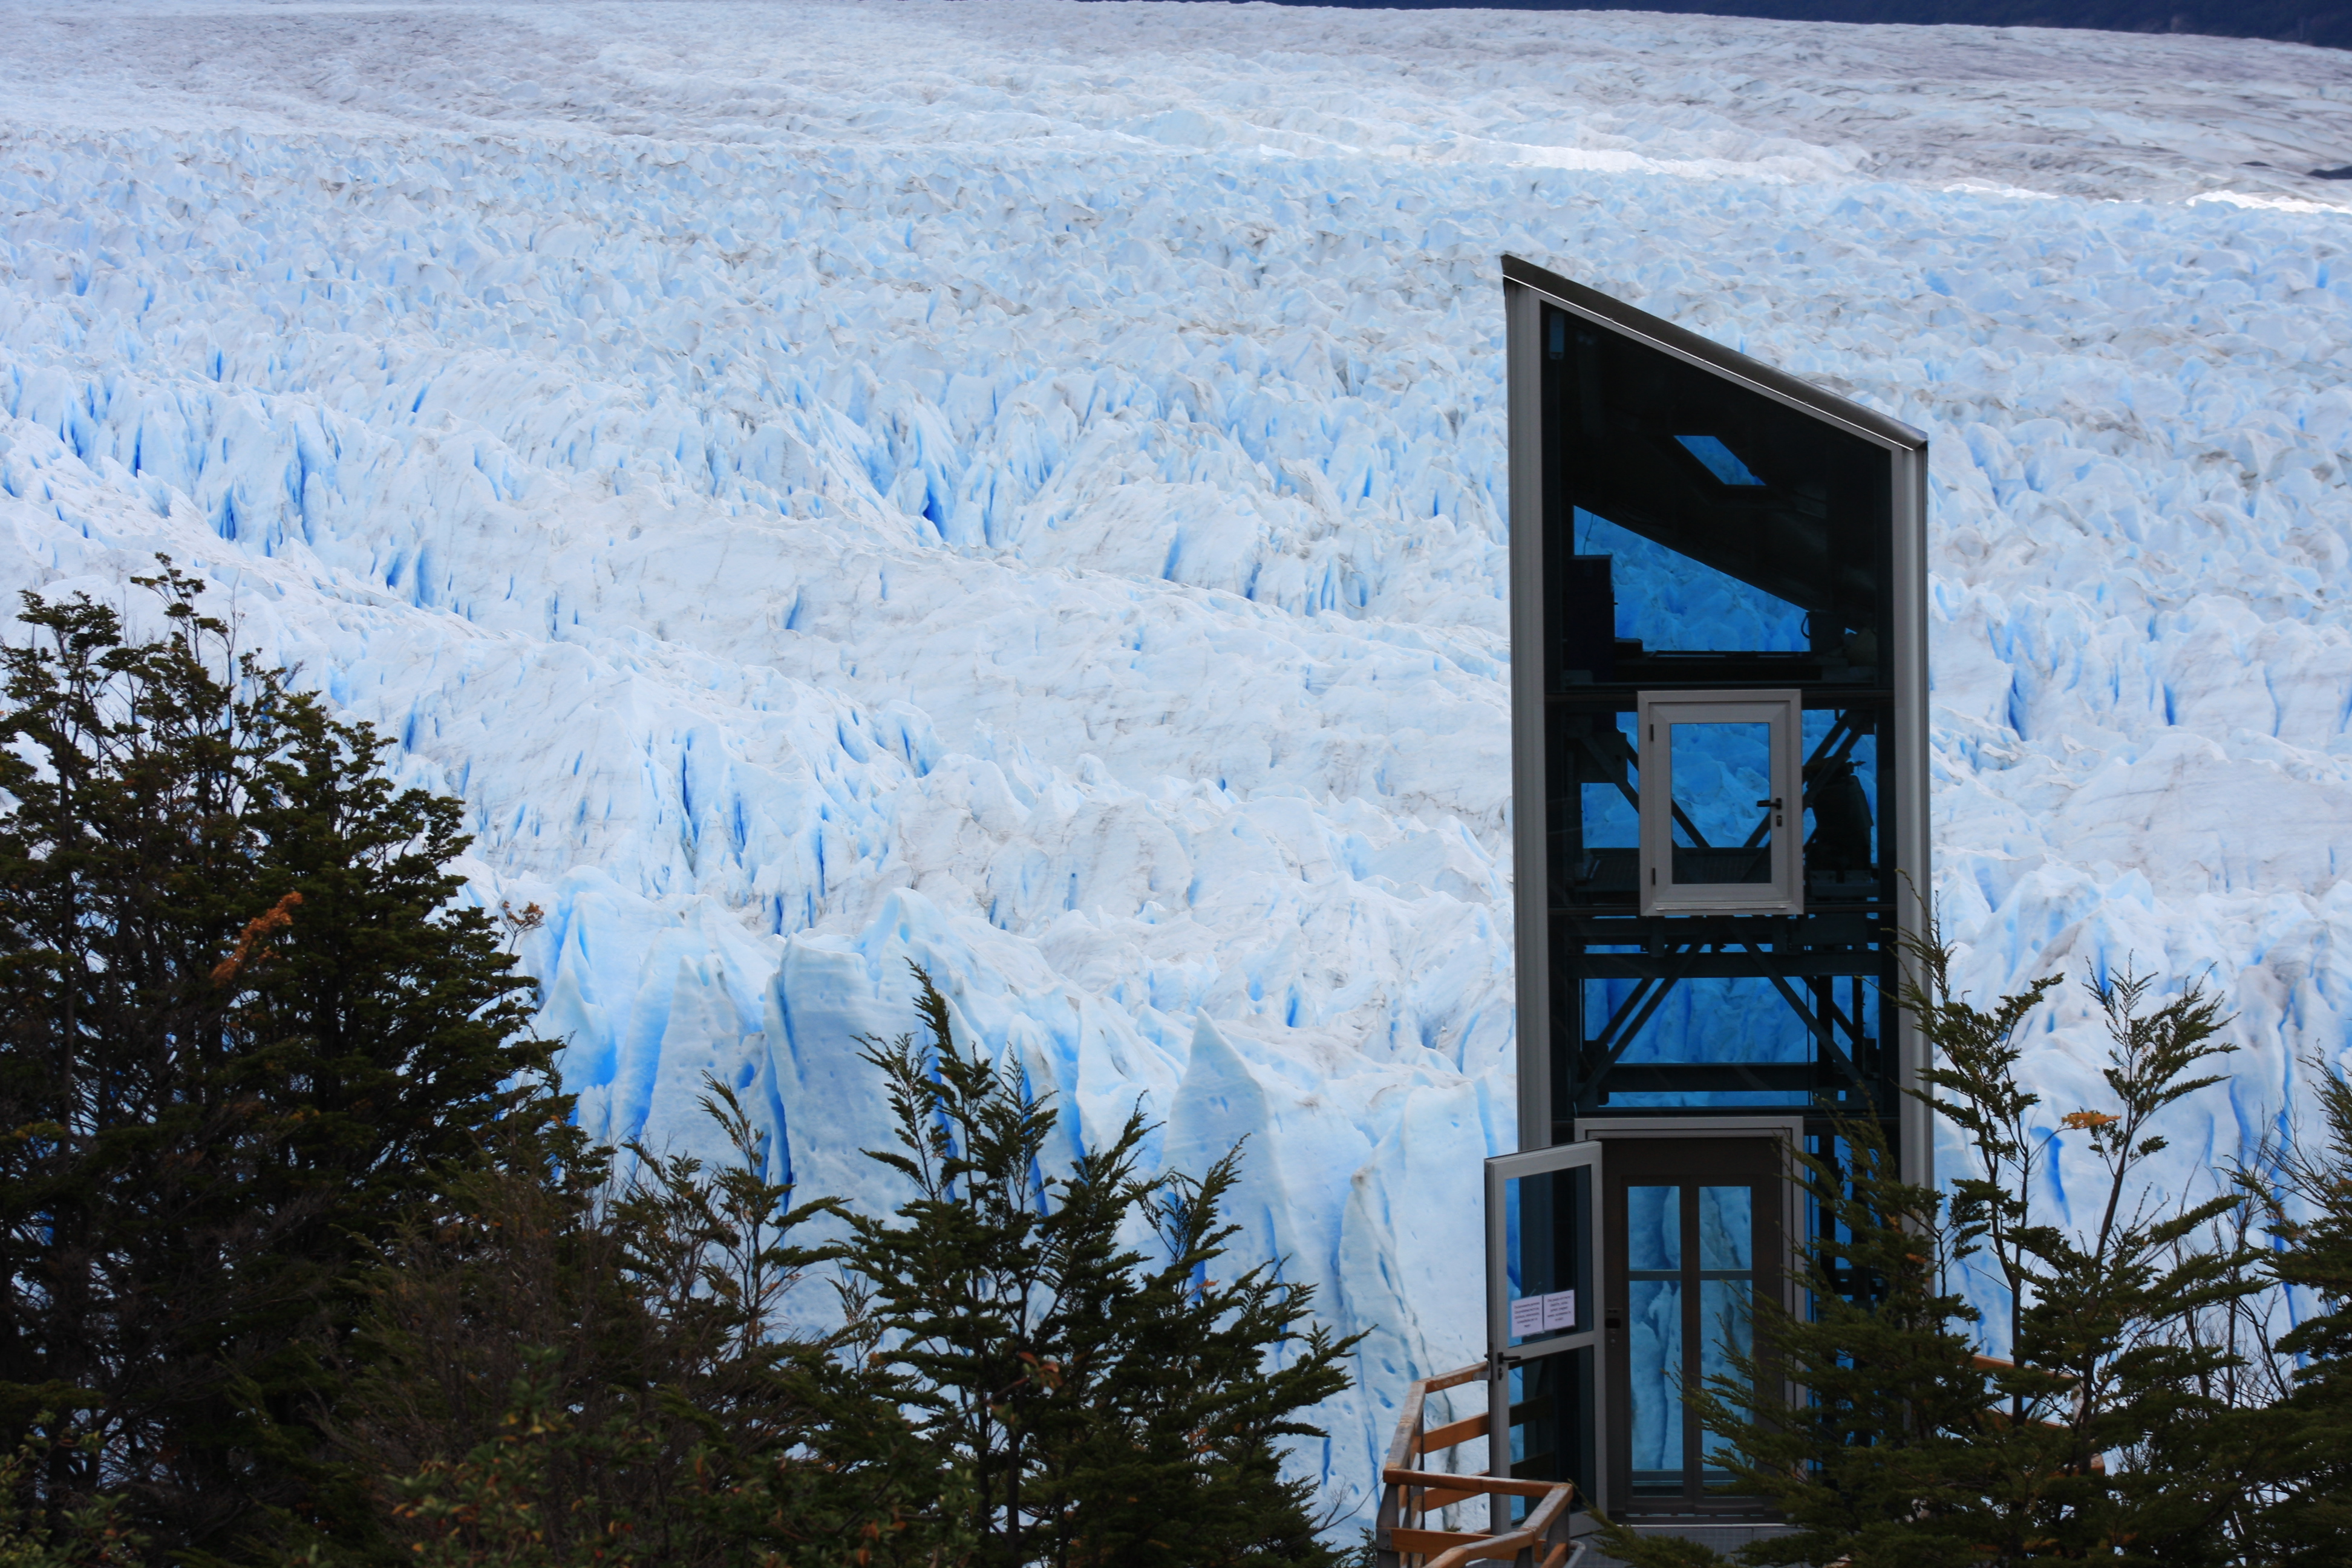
column 1533, row 1315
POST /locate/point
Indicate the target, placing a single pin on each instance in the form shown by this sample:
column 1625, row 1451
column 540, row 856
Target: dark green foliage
column 574, row 1372
column 1099, row 1406
column 303, row 1261
column 91, row 1536
column 1901, row 1448
column 245, row 1030
column 2306, row 1437
column 585, row 1371
column 2102, row 1322
column 1872, row 1461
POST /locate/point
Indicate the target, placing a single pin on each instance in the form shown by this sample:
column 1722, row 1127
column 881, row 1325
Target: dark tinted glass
column 1691, row 515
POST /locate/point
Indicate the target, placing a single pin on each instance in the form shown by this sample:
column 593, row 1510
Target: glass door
column 1544, row 1348
column 1693, row 1232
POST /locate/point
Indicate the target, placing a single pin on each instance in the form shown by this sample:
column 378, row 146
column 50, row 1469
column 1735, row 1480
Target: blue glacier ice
column 1021, row 487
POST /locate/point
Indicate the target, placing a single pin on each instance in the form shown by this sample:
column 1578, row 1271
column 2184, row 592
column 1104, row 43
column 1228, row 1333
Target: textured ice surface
column 1021, row 486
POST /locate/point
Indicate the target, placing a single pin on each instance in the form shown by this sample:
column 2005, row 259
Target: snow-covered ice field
column 1021, row 486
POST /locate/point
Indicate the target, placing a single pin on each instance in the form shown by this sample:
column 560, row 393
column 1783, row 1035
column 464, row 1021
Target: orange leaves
column 281, row 916
column 1048, row 1372
column 518, row 923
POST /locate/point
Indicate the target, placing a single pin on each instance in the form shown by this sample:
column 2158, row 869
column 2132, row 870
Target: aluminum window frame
column 1783, row 893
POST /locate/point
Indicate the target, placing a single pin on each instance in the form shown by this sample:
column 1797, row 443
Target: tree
column 1874, row 1458
column 588, row 1370
column 1096, row 1406
column 246, row 1031
column 1900, row 1446
column 2306, row 1521
column 2104, row 1359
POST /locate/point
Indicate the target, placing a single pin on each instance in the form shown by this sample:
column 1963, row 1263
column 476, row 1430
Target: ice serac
column 1021, row 488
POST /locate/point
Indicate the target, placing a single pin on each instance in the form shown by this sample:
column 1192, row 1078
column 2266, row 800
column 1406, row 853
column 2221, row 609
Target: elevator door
column 1693, row 1235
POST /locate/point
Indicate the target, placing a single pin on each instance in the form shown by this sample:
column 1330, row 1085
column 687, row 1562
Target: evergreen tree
column 1876, row 1460
column 2306, row 1521
column 1097, row 1407
column 2105, row 1359
column 1899, row 1446
column 246, row 1029
column 588, row 1370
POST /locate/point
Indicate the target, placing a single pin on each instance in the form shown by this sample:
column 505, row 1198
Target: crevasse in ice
column 1022, row 488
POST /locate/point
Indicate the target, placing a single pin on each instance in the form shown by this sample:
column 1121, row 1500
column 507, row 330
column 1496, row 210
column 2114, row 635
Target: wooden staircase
column 1409, row 1496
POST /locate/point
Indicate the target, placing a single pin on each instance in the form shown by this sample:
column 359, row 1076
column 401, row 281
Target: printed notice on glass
column 1533, row 1315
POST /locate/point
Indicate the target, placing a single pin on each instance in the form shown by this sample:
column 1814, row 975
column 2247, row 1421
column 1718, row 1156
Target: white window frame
column 1784, row 892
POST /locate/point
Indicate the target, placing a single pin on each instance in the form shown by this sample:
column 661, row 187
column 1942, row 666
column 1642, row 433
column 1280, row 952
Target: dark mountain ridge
column 2285, row 21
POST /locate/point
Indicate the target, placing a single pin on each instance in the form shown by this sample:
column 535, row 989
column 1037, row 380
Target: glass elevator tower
column 1719, row 634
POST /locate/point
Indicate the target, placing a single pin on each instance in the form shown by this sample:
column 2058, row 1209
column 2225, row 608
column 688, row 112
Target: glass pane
column 1719, row 460
column 1666, row 600
column 1598, row 849
column 1840, row 819
column 1726, row 1232
column 1545, row 1261
column 1527, row 1233
column 1535, row 1411
column 1727, row 1329
column 1721, row 774
column 1744, row 533
column 1514, row 1270
column 1551, row 1425
column 1612, row 817
column 1653, row 1227
column 1654, row 1342
column 1725, row 1019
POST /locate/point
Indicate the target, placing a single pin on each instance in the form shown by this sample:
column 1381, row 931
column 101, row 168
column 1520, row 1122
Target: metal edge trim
column 1710, row 355
column 1914, row 850
column 1530, row 913
column 1789, row 1124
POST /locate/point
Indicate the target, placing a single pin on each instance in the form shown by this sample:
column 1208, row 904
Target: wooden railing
column 1409, row 1495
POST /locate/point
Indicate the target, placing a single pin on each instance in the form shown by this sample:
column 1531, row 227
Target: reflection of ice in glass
column 1511, row 1271
column 1726, row 1230
column 1655, row 1345
column 1720, row 771
column 1611, row 820
column 1841, row 786
column 1727, row 1245
column 1710, row 1018
column 1530, row 1257
column 1721, row 461
column 1653, row 1244
column 1653, row 1227
column 1726, row 1329
column 1670, row 601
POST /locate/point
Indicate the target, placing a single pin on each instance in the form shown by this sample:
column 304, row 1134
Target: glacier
column 1021, row 488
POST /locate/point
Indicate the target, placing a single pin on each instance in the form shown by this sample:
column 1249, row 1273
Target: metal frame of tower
column 1557, row 1086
